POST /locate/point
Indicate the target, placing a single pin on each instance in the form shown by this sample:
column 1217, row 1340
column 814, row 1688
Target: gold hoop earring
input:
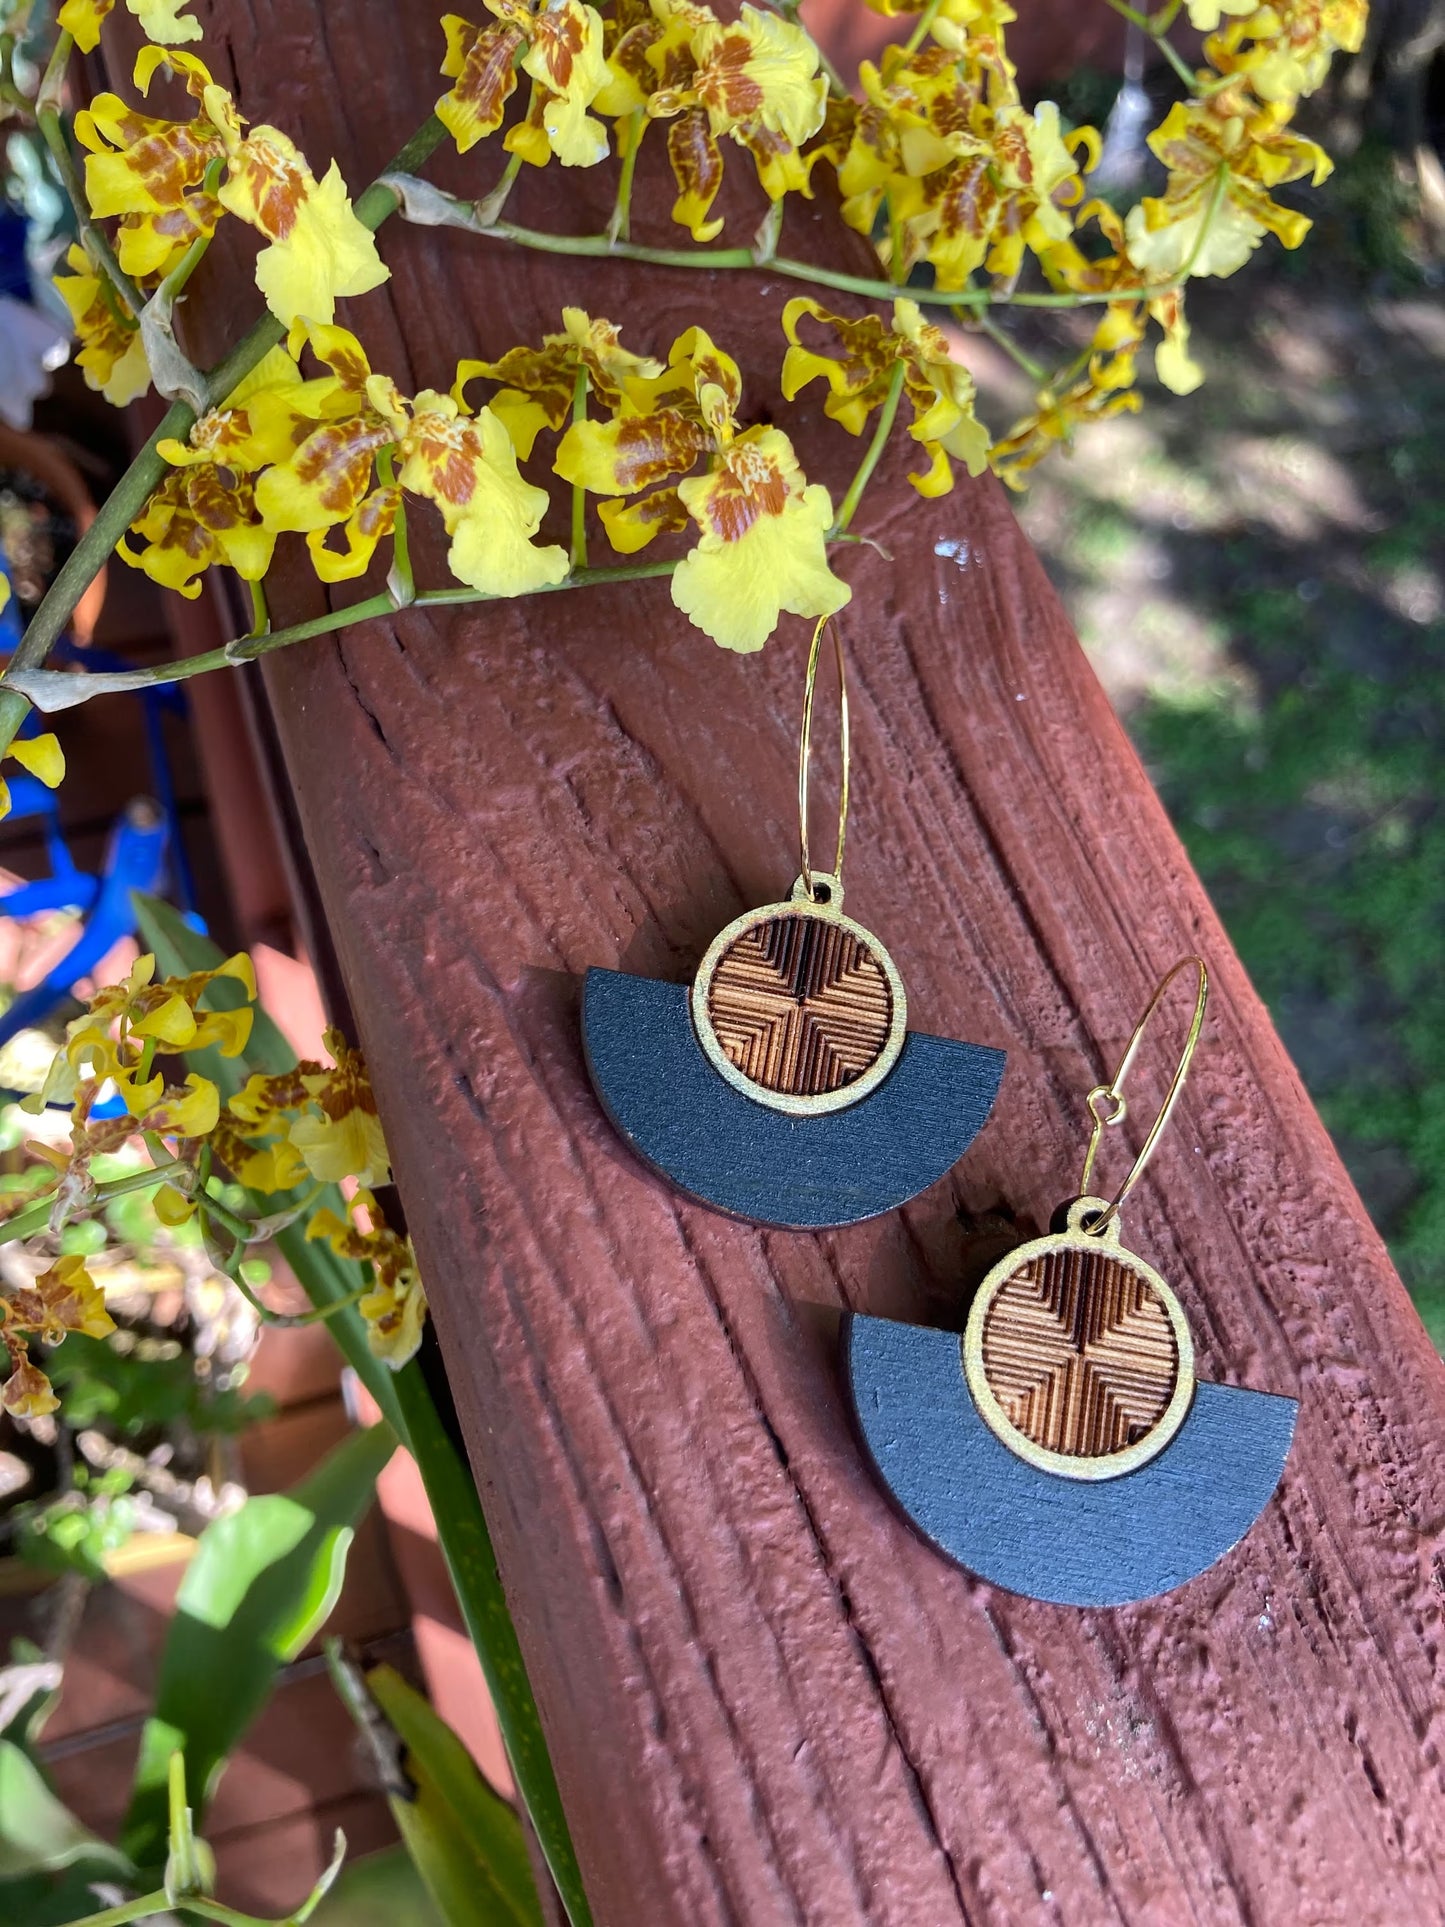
column 1065, row 1448
column 784, row 1085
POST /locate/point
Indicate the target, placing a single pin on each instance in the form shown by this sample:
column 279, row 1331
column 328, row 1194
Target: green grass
column 1315, row 819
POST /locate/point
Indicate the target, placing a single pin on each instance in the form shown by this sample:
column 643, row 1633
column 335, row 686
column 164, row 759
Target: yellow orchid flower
column 42, row 756
column 260, row 422
column 207, row 513
column 341, row 1137
column 250, row 1136
column 395, row 1313
column 755, row 80
column 539, row 383
column 939, row 389
column 761, row 526
column 974, row 183
column 195, row 520
column 27, row 1392
column 188, row 1110
column 163, row 20
column 558, row 44
column 467, row 466
column 660, row 426
column 150, row 173
column 318, row 250
column 326, row 481
column 64, row 1298
column 762, row 547
column 568, row 70
column 395, row 1307
column 111, row 1038
column 1224, row 155
column 170, row 1011
column 1284, row 50
column 482, row 64
column 1105, row 389
column 69, row 1301
column 1205, row 15
column 1124, row 323
column 112, row 355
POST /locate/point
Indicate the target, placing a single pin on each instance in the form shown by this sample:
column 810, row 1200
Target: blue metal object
column 67, row 887
column 146, row 849
column 681, row 1117
column 134, row 861
column 1072, row 1542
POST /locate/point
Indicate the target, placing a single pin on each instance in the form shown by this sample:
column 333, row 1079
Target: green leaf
column 323, row 1276
column 465, row 1841
column 462, row 1529
column 409, row 1407
column 37, row 1833
column 261, row 1584
column 378, row 1890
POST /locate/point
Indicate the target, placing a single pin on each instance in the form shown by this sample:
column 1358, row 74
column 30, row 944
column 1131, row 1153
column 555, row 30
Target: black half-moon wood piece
column 1062, row 1540
column 685, row 1120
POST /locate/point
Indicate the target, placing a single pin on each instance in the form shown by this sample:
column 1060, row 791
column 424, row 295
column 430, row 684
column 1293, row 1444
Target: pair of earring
column 1065, row 1448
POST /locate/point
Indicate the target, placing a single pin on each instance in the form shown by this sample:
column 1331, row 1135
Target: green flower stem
column 709, row 258
column 36, row 1217
column 493, row 203
column 1035, row 370
column 52, row 132
column 180, row 274
column 286, row 1320
column 619, row 227
column 452, row 1494
column 134, row 488
column 52, row 690
column 152, row 1906
column 224, row 1216
column 400, row 581
column 1157, row 27
column 875, row 449
column 1216, row 201
column 897, row 253
column 921, row 31
column 145, row 1908
column 579, row 494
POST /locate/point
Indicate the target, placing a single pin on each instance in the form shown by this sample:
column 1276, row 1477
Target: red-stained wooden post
column 767, row 1701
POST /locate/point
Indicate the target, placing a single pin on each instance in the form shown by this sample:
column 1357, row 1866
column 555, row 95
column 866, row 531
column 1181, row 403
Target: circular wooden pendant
column 1077, row 1353
column 799, row 1007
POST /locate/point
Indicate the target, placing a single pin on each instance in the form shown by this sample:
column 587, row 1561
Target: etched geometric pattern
column 800, row 1006
column 1079, row 1351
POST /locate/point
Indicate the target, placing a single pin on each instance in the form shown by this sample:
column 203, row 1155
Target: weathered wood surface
column 768, row 1702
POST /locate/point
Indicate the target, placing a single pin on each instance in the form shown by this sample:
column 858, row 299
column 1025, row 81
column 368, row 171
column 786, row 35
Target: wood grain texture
column 800, row 1005
column 769, row 1701
column 1079, row 1352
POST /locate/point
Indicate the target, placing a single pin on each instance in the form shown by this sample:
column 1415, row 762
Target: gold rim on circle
column 795, row 1103
column 977, row 1363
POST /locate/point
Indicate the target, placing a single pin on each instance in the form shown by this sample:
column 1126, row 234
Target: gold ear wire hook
column 1114, row 1093
column 805, row 751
